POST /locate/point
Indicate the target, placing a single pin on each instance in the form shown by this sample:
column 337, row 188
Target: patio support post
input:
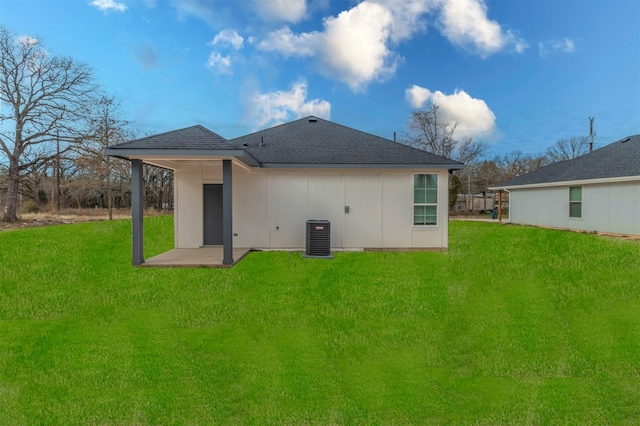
column 137, row 212
column 227, row 213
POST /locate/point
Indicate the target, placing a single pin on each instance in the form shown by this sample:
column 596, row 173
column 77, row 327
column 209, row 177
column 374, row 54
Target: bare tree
column 470, row 151
column 158, row 184
column 568, row 149
column 41, row 94
column 428, row 130
column 106, row 126
column 516, row 163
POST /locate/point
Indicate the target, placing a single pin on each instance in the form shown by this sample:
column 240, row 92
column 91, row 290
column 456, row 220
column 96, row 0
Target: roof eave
column 272, row 165
column 567, row 183
column 141, row 153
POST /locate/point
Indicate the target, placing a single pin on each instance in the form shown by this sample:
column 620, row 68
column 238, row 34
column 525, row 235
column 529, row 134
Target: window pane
column 425, row 215
column 431, row 181
column 419, row 181
column 418, row 215
column 419, row 196
column 575, row 209
column 431, row 215
column 431, row 196
column 575, row 193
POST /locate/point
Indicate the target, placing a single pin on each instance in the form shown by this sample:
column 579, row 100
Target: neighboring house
column 599, row 191
column 477, row 203
column 258, row 191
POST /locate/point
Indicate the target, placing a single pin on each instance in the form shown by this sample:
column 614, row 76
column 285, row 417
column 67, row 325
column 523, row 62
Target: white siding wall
column 396, row 196
column 188, row 210
column 325, row 200
column 271, row 207
column 188, row 221
column 610, row 207
column 363, row 223
column 637, row 210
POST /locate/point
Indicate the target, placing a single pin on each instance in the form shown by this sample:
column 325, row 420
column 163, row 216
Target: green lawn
column 514, row 325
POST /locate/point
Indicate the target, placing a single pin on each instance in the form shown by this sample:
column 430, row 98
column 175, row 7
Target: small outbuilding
column 599, row 191
column 257, row 191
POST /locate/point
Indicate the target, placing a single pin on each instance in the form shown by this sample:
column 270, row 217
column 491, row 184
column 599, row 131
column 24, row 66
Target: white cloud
column 417, row 96
column 222, row 64
column 109, row 5
column 285, row 42
column 228, row 38
column 357, row 46
column 408, row 16
column 465, row 24
column 472, row 116
column 352, row 48
column 27, row 40
column 200, row 9
column 268, row 109
column 282, row 10
column 564, row 45
column 219, row 64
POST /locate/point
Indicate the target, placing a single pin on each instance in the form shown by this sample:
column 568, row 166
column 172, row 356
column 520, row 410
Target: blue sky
column 518, row 75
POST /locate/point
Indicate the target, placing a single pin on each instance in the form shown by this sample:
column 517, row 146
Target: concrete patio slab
column 204, row 257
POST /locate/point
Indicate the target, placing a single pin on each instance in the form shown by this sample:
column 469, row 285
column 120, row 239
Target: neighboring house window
column 575, row 201
column 425, row 199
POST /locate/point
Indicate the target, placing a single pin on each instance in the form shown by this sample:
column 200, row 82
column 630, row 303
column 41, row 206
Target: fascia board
column 169, row 154
column 568, row 183
column 359, row 166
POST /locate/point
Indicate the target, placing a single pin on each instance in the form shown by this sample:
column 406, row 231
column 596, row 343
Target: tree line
column 55, row 121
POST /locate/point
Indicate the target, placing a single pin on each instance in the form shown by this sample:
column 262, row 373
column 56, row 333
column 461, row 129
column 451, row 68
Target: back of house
column 599, row 191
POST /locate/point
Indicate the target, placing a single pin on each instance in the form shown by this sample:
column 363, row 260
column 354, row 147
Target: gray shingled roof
column 194, row 137
column 316, row 141
column 619, row 159
column 308, row 141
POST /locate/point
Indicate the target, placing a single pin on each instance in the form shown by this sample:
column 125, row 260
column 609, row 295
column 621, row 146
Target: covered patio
column 186, row 148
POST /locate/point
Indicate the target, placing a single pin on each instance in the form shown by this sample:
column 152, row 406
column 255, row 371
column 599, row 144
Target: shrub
column 30, row 207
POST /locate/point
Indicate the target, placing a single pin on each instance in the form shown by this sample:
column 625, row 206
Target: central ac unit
column 318, row 239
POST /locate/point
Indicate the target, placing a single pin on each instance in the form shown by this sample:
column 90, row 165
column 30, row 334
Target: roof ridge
column 276, row 127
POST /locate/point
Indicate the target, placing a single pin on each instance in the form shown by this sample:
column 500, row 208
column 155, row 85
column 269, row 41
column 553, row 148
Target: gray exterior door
column 212, row 214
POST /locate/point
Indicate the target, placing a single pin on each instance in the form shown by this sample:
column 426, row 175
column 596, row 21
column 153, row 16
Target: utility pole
column 109, row 190
column 591, row 133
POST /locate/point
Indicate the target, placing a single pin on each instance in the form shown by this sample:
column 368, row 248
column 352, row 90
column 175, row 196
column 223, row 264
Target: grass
column 514, row 325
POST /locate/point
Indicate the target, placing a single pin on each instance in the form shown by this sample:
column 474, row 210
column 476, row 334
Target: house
column 599, row 191
column 476, row 203
column 257, row 191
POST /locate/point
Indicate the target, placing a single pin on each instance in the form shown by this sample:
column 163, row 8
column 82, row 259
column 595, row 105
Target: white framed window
column 425, row 199
column 575, row 201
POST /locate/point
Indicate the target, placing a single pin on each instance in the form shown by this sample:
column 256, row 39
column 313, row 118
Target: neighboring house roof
column 620, row 159
column 307, row 142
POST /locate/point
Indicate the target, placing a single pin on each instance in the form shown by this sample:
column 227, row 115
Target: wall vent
column 318, row 239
